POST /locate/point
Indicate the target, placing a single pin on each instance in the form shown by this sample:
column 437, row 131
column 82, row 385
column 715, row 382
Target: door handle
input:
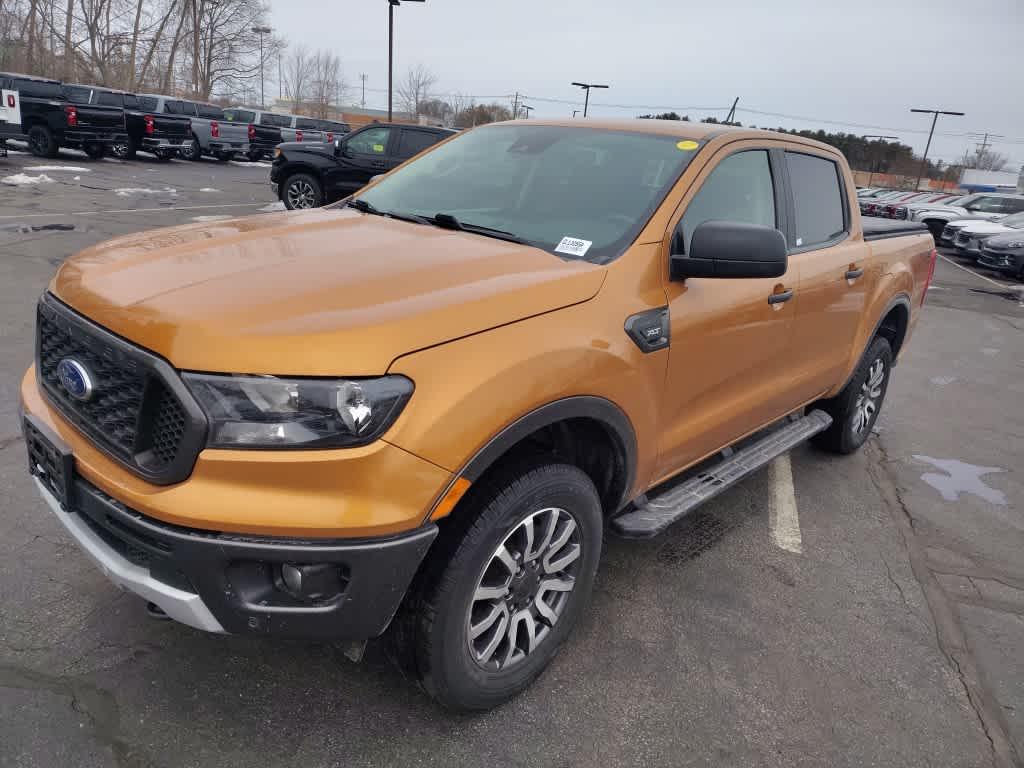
column 853, row 274
column 779, row 298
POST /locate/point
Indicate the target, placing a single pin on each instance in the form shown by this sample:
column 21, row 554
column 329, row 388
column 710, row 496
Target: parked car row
column 998, row 245
column 936, row 210
column 49, row 115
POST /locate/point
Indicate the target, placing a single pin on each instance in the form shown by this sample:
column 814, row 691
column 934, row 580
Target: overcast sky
column 861, row 62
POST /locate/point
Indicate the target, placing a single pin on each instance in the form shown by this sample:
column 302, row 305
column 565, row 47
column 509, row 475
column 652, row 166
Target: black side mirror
column 730, row 249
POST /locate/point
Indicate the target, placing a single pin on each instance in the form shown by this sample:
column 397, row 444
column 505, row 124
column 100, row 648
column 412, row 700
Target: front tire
column 935, row 226
column 302, row 191
column 855, row 410
column 506, row 586
column 191, row 150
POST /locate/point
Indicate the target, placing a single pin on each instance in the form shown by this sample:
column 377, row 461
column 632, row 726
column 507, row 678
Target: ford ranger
column 417, row 410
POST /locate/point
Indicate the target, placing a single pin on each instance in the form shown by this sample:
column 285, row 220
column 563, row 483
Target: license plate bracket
column 50, row 460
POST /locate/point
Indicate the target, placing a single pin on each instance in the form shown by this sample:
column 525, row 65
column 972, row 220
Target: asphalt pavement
column 886, row 630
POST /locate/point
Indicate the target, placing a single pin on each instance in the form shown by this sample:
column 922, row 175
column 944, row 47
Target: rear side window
column 1013, row 205
column 414, row 142
column 279, row 121
column 239, row 116
column 172, row 107
column 740, row 188
column 39, row 90
column 817, row 199
column 147, row 102
column 77, row 95
column 210, row 112
column 107, row 99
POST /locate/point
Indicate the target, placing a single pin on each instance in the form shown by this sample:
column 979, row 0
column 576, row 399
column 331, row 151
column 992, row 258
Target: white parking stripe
column 131, row 210
column 783, row 519
column 967, row 269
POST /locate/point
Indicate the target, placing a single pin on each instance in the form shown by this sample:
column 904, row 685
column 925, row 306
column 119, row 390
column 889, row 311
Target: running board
column 653, row 515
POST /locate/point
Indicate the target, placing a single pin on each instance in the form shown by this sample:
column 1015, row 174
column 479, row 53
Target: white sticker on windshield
column 574, row 246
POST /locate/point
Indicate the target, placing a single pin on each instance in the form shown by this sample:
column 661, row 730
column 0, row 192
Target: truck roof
column 681, row 128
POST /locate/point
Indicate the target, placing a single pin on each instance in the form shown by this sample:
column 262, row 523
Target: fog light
column 312, row 582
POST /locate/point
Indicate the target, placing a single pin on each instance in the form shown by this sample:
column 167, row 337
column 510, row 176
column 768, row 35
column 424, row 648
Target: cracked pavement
column 892, row 640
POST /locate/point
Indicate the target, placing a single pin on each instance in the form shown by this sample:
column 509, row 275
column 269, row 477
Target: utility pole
column 935, row 117
column 586, row 87
column 363, row 78
column 982, row 149
column 575, row 112
column 874, row 160
column 280, row 80
column 391, row 48
column 515, row 106
column 528, row 110
column 732, row 112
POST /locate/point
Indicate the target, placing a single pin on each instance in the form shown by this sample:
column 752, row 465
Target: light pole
column 261, row 31
column 391, row 47
column 935, row 117
column 586, row 87
column 527, row 110
column 575, row 112
column 867, row 136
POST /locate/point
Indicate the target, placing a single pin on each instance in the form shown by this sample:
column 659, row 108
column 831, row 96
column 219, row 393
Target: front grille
column 139, row 412
column 962, row 238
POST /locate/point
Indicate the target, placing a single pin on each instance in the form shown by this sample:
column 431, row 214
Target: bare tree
column 298, row 71
column 327, row 83
column 415, row 88
column 988, row 160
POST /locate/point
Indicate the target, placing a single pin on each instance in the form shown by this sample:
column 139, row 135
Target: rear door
column 411, row 143
column 835, row 269
column 364, row 155
column 10, row 109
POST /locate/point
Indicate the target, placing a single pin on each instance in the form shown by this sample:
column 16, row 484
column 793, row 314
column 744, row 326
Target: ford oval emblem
column 75, row 378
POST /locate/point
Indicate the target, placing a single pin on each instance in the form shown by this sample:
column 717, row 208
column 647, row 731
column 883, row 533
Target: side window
column 77, row 94
column 817, row 199
column 1013, row 205
column 108, row 99
column 306, row 124
column 148, row 103
column 740, row 188
column 372, row 141
column 413, row 142
column 131, row 101
column 210, row 112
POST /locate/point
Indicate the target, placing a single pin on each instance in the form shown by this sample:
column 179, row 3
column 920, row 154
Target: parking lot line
column 783, row 518
column 131, row 210
column 968, row 269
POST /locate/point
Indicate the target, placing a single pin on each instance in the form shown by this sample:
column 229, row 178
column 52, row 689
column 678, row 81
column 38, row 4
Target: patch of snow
column 247, row 164
column 77, row 178
column 278, row 206
column 209, row 189
column 133, row 191
column 220, row 217
column 24, row 180
column 112, row 160
column 69, row 168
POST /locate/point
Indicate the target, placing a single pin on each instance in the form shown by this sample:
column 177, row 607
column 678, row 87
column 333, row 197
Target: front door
column 730, row 338
column 363, row 155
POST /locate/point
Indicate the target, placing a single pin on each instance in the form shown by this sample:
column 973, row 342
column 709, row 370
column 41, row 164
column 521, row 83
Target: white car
column 10, row 115
column 969, row 237
column 983, row 205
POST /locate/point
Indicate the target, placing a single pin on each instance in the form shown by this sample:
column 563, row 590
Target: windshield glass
column 547, row 185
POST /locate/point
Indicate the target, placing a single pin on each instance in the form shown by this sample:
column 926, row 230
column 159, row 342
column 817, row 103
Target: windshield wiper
column 361, row 205
column 366, row 207
column 447, row 221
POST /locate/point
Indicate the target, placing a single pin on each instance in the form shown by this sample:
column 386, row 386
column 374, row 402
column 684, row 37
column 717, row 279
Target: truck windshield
column 578, row 192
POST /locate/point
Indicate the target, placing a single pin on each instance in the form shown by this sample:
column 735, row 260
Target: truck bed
column 878, row 229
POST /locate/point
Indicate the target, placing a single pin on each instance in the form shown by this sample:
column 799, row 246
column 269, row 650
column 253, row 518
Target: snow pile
column 24, row 180
column 279, row 206
column 209, row 189
column 133, row 191
column 210, row 218
column 246, row 164
column 68, row 168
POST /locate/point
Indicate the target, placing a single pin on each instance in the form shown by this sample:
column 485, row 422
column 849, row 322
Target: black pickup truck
column 50, row 121
column 146, row 129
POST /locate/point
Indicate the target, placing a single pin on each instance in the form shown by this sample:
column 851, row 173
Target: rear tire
column 41, row 142
column 301, row 191
column 95, row 151
column 935, row 226
column 855, row 410
column 225, row 157
column 163, row 155
column 131, row 149
column 254, row 155
column 471, row 647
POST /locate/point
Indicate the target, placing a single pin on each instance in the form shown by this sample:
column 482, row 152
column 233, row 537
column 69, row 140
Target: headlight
column 272, row 412
column 1014, row 244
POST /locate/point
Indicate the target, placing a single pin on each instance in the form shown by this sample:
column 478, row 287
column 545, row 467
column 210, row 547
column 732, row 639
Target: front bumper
column 220, row 582
column 1009, row 263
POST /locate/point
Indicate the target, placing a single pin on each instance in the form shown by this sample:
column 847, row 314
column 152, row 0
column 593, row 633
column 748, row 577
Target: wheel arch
column 893, row 323
column 589, row 432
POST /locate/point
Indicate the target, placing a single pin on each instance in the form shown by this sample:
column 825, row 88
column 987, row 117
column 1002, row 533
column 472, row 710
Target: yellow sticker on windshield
column 687, row 145
column 378, row 147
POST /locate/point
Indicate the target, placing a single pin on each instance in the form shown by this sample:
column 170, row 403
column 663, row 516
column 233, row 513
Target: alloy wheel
column 866, row 408
column 301, row 194
column 523, row 589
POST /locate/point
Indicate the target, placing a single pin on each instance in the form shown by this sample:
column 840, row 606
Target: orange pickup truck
column 417, row 411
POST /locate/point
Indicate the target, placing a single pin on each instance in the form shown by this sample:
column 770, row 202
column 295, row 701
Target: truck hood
column 316, row 293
